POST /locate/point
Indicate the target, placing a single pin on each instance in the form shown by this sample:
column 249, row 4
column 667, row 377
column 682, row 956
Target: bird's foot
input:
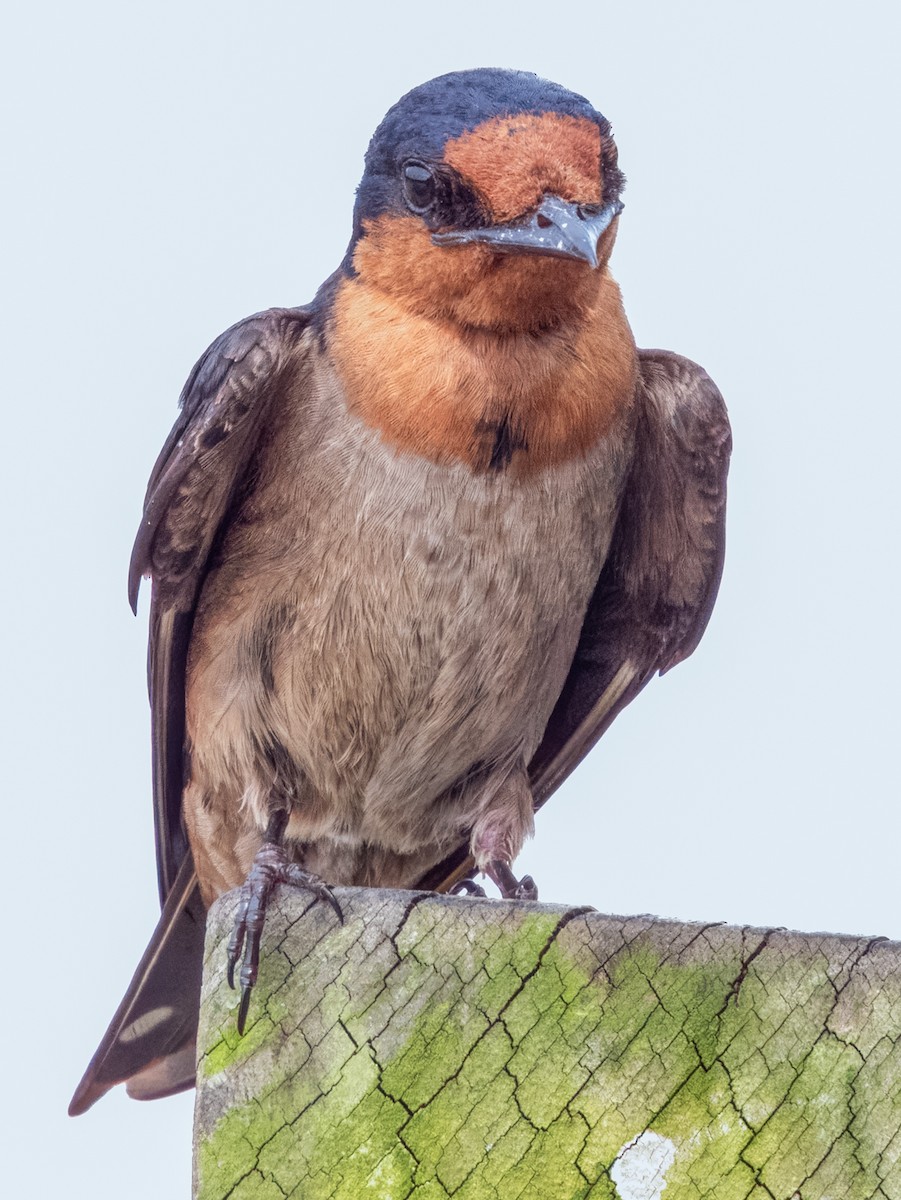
column 511, row 888
column 271, row 866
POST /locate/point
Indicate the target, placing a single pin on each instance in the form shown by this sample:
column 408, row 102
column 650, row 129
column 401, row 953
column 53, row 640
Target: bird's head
column 490, row 198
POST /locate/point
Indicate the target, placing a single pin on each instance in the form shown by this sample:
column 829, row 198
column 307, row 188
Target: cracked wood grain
column 438, row 1047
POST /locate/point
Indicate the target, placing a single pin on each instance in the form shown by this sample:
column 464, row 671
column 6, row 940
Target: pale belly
column 384, row 632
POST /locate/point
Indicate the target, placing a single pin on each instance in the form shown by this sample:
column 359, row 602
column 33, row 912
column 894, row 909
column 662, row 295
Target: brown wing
column 656, row 591
column 196, row 478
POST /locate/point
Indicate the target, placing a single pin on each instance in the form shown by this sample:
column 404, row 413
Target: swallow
column 412, row 546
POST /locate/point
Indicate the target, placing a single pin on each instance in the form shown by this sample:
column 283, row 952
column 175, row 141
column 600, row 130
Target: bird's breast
column 387, row 621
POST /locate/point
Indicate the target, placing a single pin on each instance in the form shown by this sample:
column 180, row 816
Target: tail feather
column 166, row 1076
column 150, row 1041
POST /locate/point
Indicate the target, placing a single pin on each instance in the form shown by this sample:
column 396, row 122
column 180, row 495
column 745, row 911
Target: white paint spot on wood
column 640, row 1168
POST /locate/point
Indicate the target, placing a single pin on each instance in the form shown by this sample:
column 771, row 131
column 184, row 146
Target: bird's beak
column 557, row 228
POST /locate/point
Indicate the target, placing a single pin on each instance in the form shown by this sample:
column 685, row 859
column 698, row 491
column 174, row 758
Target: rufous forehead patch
column 513, row 161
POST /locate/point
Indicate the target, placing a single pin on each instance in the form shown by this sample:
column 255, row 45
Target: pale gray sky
column 174, row 167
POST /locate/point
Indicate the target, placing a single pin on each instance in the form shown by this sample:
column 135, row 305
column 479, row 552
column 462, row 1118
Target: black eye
column 419, row 186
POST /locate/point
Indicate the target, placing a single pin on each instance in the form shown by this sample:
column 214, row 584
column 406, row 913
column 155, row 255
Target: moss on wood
column 437, row 1047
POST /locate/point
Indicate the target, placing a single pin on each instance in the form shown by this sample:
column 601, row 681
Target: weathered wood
column 435, row 1047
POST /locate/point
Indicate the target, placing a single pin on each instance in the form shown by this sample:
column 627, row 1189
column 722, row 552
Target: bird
column 413, row 546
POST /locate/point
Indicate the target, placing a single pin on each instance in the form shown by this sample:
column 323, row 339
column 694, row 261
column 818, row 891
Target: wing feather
column 657, row 588
column 224, row 406
column 199, row 472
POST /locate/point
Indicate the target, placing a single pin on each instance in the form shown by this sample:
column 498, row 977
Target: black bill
column 557, row 228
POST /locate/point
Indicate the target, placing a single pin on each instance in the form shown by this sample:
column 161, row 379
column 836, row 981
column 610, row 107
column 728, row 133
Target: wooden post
column 439, row 1047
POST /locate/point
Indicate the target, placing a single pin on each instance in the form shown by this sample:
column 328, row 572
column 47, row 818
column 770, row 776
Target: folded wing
column 656, row 591
column 194, row 483
column 196, row 480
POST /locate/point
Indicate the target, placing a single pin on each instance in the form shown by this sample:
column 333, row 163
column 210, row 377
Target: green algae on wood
column 434, row 1047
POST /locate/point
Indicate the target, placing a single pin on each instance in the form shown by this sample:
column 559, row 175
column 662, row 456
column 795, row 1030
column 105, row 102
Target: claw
column 526, row 889
column 469, row 887
column 306, row 880
column 511, row 888
column 271, row 866
column 242, row 1009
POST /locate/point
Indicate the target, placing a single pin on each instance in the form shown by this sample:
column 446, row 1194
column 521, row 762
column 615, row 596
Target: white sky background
column 174, row 167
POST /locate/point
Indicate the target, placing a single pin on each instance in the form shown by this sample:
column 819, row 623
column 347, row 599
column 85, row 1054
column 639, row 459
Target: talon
column 526, row 889
column 300, row 878
column 242, row 1009
column 468, row 887
column 270, row 866
column 510, row 887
